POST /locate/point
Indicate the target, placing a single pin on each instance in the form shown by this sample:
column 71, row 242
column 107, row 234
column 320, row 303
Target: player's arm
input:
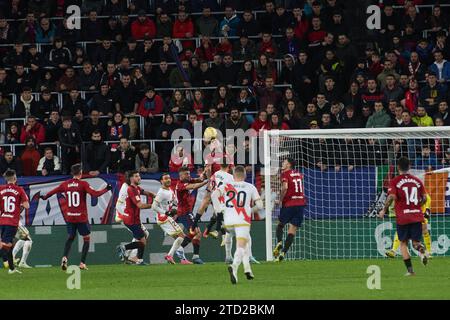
column 256, row 198
column 136, row 199
column 195, row 186
column 95, row 193
column 284, row 188
column 390, row 199
column 218, row 206
column 148, row 194
column 58, row 189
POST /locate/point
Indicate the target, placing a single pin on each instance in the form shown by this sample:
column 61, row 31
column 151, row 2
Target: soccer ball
column 210, row 134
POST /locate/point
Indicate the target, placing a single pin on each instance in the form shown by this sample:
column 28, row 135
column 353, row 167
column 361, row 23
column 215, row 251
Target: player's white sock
column 246, row 260
column 176, row 244
column 238, row 257
column 228, row 245
column 26, row 251
column 17, row 247
column 249, row 246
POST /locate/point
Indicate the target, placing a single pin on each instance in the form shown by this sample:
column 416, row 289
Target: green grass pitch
column 335, row 279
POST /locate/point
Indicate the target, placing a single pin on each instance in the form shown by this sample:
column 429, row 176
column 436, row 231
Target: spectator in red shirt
column 206, row 51
column 276, row 122
column 143, row 27
column 261, row 123
column 30, row 158
column 180, row 159
column 183, row 28
column 33, row 129
column 152, row 104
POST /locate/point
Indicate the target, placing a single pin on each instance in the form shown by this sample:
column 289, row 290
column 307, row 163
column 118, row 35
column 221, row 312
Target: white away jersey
column 165, row 200
column 121, row 199
column 238, row 199
column 219, row 178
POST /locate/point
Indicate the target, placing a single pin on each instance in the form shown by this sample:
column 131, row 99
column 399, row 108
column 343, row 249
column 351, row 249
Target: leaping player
column 409, row 195
column 238, row 197
column 165, row 205
column 75, row 191
column 213, row 162
column 292, row 210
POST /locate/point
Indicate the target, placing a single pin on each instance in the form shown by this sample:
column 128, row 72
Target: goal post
column 347, row 172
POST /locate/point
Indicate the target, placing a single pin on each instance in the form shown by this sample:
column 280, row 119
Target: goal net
column 346, row 174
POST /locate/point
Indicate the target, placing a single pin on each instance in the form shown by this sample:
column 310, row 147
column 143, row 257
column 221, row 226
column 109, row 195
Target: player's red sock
column 196, row 245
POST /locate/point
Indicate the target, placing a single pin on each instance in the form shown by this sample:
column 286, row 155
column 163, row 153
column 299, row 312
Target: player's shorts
column 84, row 229
column 292, row 215
column 170, row 227
column 411, row 231
column 22, row 233
column 239, row 231
column 136, row 230
column 186, row 220
column 7, row 233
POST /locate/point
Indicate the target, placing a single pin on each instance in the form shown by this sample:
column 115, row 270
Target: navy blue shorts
column 186, row 220
column 412, row 231
column 136, row 230
column 7, row 233
column 83, row 229
column 292, row 215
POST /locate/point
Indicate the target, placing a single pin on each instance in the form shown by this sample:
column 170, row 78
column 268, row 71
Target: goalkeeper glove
column 427, row 213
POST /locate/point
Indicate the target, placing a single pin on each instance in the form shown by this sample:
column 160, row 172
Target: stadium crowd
column 257, row 64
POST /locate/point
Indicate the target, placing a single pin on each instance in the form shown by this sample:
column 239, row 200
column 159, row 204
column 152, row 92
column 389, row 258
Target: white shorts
column 23, row 233
column 241, row 231
column 170, row 227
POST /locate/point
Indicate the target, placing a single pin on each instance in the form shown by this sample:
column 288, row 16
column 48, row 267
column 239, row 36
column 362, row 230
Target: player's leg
column 249, row 249
column 283, row 220
column 395, row 245
column 416, row 237
column 295, row 217
column 170, row 227
column 426, row 238
column 138, row 234
column 25, row 253
column 203, row 206
column 7, row 235
column 404, row 235
column 228, row 247
column 188, row 223
column 217, row 217
column 71, row 233
column 18, row 246
column 244, row 234
column 85, row 231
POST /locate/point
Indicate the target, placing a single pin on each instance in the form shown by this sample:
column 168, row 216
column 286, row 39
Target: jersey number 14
column 411, row 195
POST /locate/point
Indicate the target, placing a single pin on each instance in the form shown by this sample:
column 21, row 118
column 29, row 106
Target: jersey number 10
column 73, row 198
